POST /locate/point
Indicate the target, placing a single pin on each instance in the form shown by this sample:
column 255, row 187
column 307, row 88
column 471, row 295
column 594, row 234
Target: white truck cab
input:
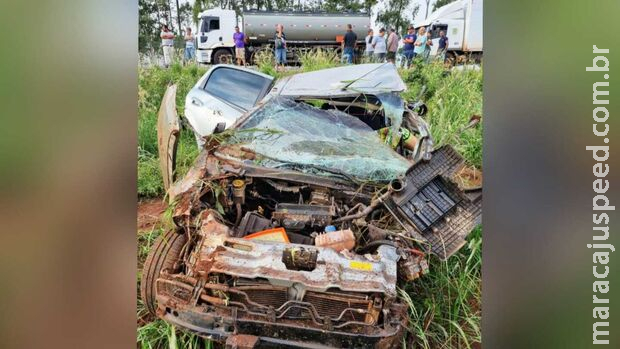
column 462, row 22
column 215, row 31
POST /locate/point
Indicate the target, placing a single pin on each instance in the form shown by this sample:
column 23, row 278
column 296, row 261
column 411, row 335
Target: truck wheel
column 164, row 254
column 451, row 59
column 222, row 56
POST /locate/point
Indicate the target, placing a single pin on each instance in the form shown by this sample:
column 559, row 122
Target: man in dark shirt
column 443, row 46
column 348, row 44
column 409, row 39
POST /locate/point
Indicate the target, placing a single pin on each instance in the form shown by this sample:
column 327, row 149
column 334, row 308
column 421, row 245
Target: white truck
column 462, row 22
column 303, row 30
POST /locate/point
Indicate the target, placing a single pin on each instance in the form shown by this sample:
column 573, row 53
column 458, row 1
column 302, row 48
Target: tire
column 164, row 254
column 451, row 59
column 222, row 56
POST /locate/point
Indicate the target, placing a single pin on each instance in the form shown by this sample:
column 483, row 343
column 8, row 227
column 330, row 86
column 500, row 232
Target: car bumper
column 219, row 328
column 203, row 55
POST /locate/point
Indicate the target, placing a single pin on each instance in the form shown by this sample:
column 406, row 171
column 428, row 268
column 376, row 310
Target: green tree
column 147, row 29
column 395, row 14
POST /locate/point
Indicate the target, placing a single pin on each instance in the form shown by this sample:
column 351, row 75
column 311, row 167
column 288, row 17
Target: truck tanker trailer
column 303, row 30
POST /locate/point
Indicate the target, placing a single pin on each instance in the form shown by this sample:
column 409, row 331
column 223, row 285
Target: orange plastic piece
column 275, row 234
column 338, row 240
column 339, row 38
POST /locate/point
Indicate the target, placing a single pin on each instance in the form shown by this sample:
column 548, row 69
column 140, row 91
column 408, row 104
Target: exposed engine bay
column 283, row 256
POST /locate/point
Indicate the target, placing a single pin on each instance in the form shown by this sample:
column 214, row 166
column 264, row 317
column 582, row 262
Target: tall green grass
column 452, row 98
column 445, row 305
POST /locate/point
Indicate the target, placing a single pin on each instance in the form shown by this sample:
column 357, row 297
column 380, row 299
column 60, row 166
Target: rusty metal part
column 299, row 258
column 320, row 196
column 284, row 187
column 252, row 259
column 242, row 341
column 238, row 191
column 299, row 216
column 366, row 211
column 237, row 167
column 411, row 266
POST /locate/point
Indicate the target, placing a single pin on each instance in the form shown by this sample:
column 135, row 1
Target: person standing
column 420, row 43
column 427, row 48
column 167, row 45
column 369, row 50
column 442, row 48
column 280, row 47
column 189, row 45
column 409, row 39
column 392, row 46
column 348, row 45
column 239, row 39
column 379, row 46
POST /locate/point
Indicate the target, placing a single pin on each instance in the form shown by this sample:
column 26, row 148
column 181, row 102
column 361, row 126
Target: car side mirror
column 221, row 126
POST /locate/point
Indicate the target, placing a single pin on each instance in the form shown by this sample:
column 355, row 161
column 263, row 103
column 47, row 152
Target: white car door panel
column 223, row 95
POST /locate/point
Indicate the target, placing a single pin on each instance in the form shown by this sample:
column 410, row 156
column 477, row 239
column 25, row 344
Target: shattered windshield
column 292, row 135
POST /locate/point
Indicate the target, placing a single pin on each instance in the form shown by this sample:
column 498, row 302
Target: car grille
column 335, row 305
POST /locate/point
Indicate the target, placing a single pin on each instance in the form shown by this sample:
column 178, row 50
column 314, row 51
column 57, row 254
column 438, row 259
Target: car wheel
column 164, row 254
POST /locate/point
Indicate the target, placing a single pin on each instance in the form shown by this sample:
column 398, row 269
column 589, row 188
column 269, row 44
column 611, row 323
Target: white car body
column 204, row 110
column 235, row 90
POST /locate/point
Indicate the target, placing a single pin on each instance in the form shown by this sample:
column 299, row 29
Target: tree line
column 178, row 15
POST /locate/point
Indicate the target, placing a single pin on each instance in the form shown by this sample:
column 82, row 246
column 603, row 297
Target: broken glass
column 292, row 135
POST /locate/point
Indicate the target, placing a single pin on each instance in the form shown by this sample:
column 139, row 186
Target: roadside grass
column 444, row 305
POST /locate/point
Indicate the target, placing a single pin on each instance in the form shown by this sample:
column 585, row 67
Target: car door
column 168, row 135
column 222, row 96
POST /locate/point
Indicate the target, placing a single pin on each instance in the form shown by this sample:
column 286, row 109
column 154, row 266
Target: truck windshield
column 209, row 23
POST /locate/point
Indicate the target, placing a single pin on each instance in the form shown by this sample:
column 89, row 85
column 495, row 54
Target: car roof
column 349, row 80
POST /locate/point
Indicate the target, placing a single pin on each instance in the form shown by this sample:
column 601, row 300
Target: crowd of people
column 416, row 45
column 379, row 47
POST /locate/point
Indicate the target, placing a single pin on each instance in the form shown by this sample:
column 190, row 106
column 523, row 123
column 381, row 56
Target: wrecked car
column 297, row 224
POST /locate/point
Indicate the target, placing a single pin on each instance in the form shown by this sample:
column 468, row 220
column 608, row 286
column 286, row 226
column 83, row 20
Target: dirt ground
column 149, row 213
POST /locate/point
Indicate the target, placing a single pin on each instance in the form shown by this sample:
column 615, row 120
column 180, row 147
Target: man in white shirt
column 167, row 45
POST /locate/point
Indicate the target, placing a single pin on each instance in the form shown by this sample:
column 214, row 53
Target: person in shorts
column 239, row 39
column 189, row 45
column 280, row 48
